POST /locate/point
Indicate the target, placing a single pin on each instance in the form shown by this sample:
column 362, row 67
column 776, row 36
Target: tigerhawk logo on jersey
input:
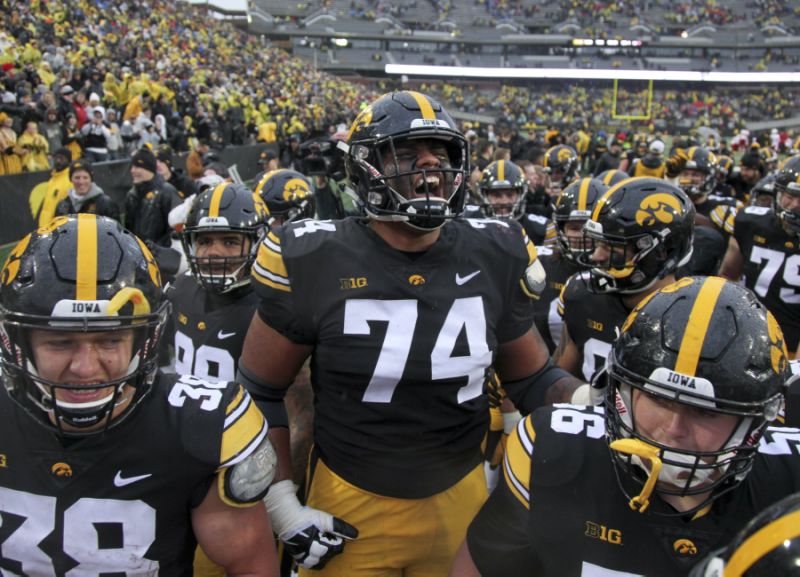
column 352, row 283
column 416, row 279
column 660, row 207
column 61, row 470
column 3, row 461
column 603, row 533
column 684, row 547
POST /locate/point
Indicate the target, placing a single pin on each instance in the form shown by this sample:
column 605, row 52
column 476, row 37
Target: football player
column 573, row 208
column 639, row 233
column 674, row 463
column 403, row 313
column 698, row 180
column 107, row 465
column 764, row 249
column 213, row 302
column 561, row 163
column 288, row 194
column 503, row 188
column 769, row 545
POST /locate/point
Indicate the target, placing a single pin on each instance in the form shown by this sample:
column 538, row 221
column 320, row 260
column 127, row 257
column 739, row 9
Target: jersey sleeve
column 273, row 286
column 498, row 536
column 520, row 312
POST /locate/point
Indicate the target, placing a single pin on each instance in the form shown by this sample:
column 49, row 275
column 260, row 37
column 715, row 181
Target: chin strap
column 638, row 448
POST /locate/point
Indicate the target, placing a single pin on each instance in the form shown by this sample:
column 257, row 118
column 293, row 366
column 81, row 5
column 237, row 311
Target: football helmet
column 700, row 160
column 787, row 182
column 763, row 193
column 706, row 343
column 767, row 546
column 612, row 177
column 561, row 162
column 80, row 274
column 503, row 175
column 575, row 204
column 392, row 187
column 288, row 194
column 227, row 207
column 725, row 166
column 647, row 225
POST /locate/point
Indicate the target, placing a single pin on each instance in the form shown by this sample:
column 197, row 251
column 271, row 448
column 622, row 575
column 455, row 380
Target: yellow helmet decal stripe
column 86, row 275
column 583, row 192
column 424, row 105
column 216, row 199
column 691, row 152
column 697, row 327
column 501, row 170
column 762, row 542
column 607, row 178
column 604, row 199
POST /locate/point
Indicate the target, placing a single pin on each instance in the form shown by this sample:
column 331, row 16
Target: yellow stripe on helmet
column 762, row 542
column 424, row 105
column 216, row 199
column 697, row 327
column 86, row 271
column 583, row 192
column 501, row 170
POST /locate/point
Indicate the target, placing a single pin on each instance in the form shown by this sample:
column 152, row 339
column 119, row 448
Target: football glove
column 510, row 421
column 312, row 537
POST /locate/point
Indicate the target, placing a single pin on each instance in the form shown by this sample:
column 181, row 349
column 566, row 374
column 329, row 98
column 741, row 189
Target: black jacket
column 101, row 205
column 147, row 207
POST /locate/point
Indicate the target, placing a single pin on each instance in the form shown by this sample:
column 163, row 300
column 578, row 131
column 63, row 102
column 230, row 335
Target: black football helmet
column 227, row 207
column 648, row 225
column 561, row 162
column 725, row 166
column 424, row 198
column 575, row 204
column 767, row 546
column 701, row 159
column 288, row 194
column 81, row 273
column 763, row 192
column 503, row 175
column 787, row 181
column 707, row 343
column 612, row 176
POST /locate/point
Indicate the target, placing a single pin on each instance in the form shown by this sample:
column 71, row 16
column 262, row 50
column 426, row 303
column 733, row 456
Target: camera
column 320, row 157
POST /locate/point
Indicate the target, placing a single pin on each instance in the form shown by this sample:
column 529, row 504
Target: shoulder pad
column 306, row 235
column 517, row 460
column 508, row 236
column 780, row 441
column 758, row 210
column 269, row 269
column 544, row 251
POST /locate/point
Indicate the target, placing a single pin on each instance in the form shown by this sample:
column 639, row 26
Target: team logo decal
column 660, row 207
column 296, row 188
column 777, row 348
column 61, row 470
column 685, row 547
column 362, row 120
column 564, row 155
column 13, row 261
column 416, row 280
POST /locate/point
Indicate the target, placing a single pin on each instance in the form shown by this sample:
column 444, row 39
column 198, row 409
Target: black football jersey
column 559, row 508
column 592, row 321
column 771, row 267
column 546, row 316
column 540, row 230
column 119, row 503
column 402, row 342
column 207, row 330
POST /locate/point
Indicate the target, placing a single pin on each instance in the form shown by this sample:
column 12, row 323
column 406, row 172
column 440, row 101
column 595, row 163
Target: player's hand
column 311, row 536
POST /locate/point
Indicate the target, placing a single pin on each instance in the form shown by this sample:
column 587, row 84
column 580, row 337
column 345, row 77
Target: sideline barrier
column 17, row 220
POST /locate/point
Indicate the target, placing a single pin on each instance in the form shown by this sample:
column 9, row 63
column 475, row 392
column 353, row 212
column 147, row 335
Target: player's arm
column 733, row 263
column 530, row 378
column 463, row 564
column 237, row 538
column 567, row 355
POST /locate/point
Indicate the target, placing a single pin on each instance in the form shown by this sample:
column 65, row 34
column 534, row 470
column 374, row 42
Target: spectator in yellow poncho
column 36, row 148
